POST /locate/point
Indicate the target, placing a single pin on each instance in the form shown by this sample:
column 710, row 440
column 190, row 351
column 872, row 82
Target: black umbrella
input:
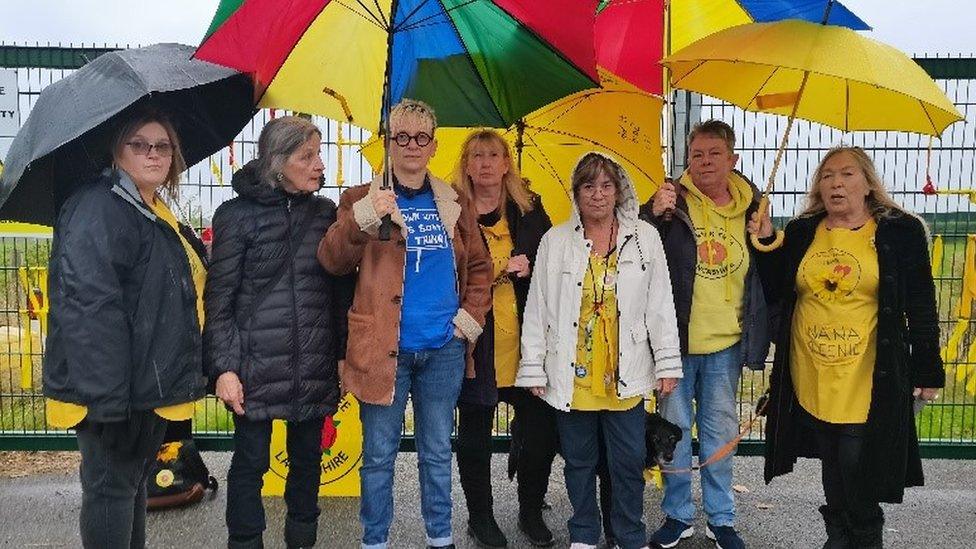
column 67, row 137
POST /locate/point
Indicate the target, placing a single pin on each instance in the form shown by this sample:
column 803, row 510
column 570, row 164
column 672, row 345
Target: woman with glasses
column 512, row 222
column 598, row 334
column 124, row 347
column 276, row 327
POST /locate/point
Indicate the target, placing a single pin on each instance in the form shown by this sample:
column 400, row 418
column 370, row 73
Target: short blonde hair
column 413, row 108
column 878, row 201
column 513, row 186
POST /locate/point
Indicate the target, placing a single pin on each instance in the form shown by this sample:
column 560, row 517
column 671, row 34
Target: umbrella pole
column 764, row 201
column 519, row 142
column 386, row 226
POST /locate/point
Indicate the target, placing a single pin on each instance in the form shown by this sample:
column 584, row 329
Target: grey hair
column 279, row 139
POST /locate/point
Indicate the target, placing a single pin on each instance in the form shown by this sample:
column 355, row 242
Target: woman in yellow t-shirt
column 512, row 222
column 124, row 347
column 858, row 331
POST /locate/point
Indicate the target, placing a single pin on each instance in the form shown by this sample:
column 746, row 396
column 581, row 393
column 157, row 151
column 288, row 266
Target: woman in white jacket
column 599, row 333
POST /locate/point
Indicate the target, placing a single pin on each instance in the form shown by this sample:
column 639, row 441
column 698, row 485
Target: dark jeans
column 113, row 487
column 536, row 424
column 251, row 459
column 839, row 446
column 623, row 433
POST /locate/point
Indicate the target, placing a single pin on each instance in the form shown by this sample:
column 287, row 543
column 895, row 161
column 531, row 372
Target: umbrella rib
column 548, row 166
column 763, row 85
column 397, row 28
column 593, row 142
column 382, row 17
column 474, row 68
column 929, row 117
column 422, row 22
column 369, row 16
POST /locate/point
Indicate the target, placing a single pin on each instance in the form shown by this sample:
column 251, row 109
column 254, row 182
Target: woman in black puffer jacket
column 276, row 326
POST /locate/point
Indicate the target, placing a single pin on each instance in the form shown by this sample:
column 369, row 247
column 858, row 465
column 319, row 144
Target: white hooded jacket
column 647, row 326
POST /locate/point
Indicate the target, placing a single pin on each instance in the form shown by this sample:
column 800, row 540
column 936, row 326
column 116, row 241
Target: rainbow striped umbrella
column 477, row 62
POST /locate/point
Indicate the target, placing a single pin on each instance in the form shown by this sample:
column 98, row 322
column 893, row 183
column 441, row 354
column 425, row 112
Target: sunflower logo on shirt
column 719, row 253
column 832, row 274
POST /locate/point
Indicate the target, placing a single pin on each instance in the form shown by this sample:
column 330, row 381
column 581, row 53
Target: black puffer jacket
column 124, row 335
column 286, row 350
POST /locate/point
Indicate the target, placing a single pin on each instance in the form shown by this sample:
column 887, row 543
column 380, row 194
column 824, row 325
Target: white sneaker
column 581, row 546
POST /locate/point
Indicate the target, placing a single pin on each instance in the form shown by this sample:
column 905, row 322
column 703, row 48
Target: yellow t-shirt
column 594, row 386
column 835, row 324
column 65, row 415
column 720, row 272
column 506, row 350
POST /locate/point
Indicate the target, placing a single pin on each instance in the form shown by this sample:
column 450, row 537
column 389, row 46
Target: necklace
column 609, row 279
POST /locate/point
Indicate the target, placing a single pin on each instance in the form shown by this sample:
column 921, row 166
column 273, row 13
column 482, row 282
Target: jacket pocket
column 361, row 342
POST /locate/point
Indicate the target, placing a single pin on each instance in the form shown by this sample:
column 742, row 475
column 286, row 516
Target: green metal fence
column 947, row 427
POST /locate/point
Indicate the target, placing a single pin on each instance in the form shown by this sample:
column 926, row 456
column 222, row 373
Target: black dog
column 660, row 437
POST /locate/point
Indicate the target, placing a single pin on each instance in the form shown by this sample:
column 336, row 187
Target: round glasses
column 403, row 139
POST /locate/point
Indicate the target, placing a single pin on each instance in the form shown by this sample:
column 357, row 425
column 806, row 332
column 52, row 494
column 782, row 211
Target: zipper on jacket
column 296, row 346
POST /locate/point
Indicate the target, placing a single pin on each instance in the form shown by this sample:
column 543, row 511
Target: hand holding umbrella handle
column 386, row 227
column 779, row 235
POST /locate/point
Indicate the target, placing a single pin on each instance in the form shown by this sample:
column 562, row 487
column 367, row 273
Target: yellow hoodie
column 723, row 259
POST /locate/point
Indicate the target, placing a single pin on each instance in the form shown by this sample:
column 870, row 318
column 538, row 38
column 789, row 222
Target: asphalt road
column 42, row 511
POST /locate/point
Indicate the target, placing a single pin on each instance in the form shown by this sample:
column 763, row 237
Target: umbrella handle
column 386, row 227
column 780, row 236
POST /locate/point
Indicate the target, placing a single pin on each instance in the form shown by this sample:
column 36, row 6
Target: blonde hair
column 414, row 108
column 878, row 201
column 513, row 186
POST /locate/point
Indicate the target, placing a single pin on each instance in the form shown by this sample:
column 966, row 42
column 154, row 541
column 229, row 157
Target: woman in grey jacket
column 600, row 333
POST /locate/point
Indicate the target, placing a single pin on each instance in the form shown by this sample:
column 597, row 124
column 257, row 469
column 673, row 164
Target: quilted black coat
column 286, row 348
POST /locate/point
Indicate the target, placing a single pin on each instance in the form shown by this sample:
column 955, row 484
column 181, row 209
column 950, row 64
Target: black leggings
column 536, row 425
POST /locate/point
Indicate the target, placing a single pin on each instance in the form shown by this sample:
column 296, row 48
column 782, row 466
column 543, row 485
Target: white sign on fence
column 9, row 117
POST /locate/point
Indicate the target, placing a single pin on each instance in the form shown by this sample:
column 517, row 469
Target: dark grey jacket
column 124, row 335
column 286, row 349
column 678, row 236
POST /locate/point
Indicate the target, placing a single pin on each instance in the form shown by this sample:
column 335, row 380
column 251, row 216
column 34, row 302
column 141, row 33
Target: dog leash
column 726, row 448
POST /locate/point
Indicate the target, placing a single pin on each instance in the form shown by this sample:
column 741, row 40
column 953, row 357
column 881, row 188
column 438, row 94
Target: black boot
column 534, row 528
column 485, row 531
column 299, row 535
column 254, row 542
column 868, row 534
column 837, row 529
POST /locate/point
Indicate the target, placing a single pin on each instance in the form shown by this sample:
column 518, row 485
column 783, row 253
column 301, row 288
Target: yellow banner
column 340, row 462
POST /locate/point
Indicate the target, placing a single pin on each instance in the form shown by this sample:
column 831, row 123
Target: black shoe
column 485, row 531
column 253, row 542
column 534, row 528
column 451, row 546
column 838, row 536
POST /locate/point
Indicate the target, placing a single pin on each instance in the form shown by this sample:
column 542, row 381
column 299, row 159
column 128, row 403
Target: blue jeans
column 711, row 381
column 433, row 379
column 623, row 432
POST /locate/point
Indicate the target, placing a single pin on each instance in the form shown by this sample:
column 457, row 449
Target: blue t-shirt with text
column 430, row 297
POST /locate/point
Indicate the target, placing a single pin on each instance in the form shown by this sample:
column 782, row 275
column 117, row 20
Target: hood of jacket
column 627, row 207
column 247, row 183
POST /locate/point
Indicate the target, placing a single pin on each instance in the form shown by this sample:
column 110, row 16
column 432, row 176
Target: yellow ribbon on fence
column 950, row 352
column 938, row 251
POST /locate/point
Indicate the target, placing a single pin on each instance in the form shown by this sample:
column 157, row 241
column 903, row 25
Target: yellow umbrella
column 821, row 73
column 617, row 119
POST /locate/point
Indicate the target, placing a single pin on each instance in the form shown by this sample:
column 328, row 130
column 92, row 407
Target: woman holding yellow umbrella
column 858, row 337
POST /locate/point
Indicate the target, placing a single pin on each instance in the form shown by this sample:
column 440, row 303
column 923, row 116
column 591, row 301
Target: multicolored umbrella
column 477, row 62
column 821, row 73
column 632, row 35
column 616, row 119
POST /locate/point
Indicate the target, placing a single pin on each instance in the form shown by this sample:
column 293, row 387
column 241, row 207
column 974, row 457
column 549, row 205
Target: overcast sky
column 915, row 26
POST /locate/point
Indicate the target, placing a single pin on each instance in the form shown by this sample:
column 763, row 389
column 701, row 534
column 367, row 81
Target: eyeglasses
column 590, row 189
column 142, row 148
column 403, row 139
